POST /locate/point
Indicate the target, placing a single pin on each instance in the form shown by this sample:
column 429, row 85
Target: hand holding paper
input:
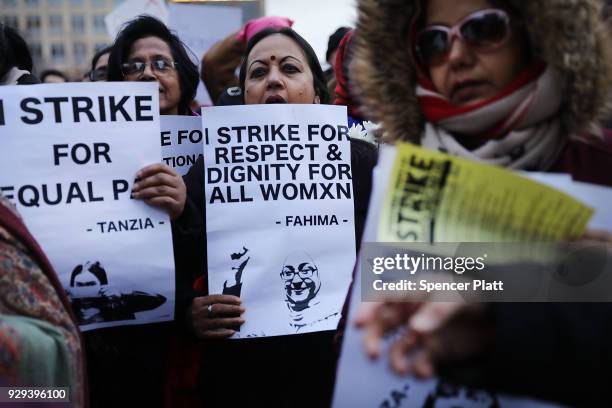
column 161, row 186
column 438, row 333
column 218, row 321
column 597, row 236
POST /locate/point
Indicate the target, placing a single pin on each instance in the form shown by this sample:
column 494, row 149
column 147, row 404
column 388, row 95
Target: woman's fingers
column 223, row 323
column 226, row 299
column 169, row 204
column 398, row 353
column 201, row 325
column 220, row 306
column 221, row 310
column 161, row 180
column 366, row 313
column 599, row 236
column 161, row 186
column 381, row 318
column 366, row 319
column 373, row 334
column 422, row 365
column 373, row 326
column 156, row 191
column 217, row 334
column 155, row 168
column 431, row 316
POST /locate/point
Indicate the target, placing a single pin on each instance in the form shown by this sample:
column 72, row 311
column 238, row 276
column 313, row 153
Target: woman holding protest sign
column 146, row 50
column 514, row 84
column 279, row 67
column 128, row 364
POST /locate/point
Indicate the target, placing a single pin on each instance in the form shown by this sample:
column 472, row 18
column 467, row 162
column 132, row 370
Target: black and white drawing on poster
column 279, row 214
column 96, row 300
column 181, row 141
column 242, row 260
column 363, row 382
column 302, row 282
column 70, row 154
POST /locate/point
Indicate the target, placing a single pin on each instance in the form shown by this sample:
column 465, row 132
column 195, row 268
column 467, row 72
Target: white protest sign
column 596, row 196
column 363, row 382
column 181, row 141
column 130, row 9
column 188, row 19
column 73, row 151
column 279, row 214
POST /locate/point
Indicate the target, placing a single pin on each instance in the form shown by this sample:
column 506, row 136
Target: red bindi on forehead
column 272, row 58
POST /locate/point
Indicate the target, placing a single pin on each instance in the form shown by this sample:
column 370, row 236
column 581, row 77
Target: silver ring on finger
column 210, row 311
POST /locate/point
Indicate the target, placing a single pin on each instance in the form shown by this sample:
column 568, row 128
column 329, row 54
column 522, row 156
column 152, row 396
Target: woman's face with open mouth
column 278, row 72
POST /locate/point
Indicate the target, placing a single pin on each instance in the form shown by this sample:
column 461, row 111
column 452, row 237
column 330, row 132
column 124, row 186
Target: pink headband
column 254, row 26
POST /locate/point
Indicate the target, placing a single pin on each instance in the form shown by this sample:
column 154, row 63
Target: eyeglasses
column 137, row 67
column 485, row 30
column 289, row 273
column 99, row 74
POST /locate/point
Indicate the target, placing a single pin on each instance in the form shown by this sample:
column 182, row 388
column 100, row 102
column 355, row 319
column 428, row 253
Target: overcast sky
column 315, row 20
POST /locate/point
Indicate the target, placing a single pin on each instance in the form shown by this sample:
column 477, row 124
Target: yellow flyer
column 434, row 197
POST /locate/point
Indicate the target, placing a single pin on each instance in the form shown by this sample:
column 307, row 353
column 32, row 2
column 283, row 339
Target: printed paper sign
column 363, row 382
column 433, row 197
column 188, row 19
column 181, row 141
column 596, row 196
column 279, row 214
column 131, row 9
column 70, row 153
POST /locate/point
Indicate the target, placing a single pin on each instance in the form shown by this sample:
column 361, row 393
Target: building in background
column 64, row 34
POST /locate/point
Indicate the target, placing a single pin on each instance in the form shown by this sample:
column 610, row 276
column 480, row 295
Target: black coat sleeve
column 552, row 351
column 188, row 232
column 363, row 159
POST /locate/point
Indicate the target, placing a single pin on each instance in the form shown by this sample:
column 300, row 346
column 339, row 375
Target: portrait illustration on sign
column 95, row 301
column 302, row 283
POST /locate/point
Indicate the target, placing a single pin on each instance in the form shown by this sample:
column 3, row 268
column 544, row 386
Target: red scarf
column 343, row 92
column 520, row 125
column 436, row 108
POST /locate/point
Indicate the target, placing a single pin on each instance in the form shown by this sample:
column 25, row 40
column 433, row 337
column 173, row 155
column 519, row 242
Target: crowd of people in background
column 520, row 85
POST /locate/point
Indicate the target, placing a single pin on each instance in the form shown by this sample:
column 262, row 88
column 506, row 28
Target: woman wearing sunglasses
column 128, row 363
column 518, row 84
column 510, row 83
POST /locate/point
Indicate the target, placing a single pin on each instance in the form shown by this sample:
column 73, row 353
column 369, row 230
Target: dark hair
column 147, row 26
column 97, row 55
column 334, row 40
column 49, row 72
column 14, row 51
column 317, row 73
column 96, row 269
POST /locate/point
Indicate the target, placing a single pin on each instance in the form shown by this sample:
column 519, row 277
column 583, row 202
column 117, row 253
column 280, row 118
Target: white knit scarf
column 527, row 129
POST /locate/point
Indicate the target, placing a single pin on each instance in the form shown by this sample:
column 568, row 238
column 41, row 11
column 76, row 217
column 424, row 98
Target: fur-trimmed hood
column 569, row 35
